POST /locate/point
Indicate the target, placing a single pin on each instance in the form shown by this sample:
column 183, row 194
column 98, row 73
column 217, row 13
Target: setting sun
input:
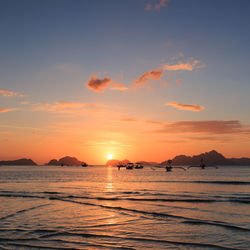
column 110, row 157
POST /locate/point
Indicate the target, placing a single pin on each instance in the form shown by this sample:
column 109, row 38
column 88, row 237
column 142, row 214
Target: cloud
column 211, row 139
column 205, row 127
column 6, row 110
column 119, row 86
column 187, row 66
column 156, row 74
column 8, row 93
column 66, row 107
column 129, row 120
column 150, row 75
column 143, row 121
column 205, row 139
column 157, row 6
column 181, row 106
column 99, row 85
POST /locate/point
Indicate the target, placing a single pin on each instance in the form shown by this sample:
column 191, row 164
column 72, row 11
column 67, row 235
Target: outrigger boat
column 120, row 165
column 168, row 167
column 202, row 165
column 130, row 165
column 138, row 165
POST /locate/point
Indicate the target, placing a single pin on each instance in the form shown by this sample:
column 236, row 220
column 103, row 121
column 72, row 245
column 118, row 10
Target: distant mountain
column 53, row 162
column 212, row 157
column 20, row 162
column 65, row 161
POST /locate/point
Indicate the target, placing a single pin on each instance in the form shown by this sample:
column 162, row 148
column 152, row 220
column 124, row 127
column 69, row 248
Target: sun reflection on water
column 109, row 185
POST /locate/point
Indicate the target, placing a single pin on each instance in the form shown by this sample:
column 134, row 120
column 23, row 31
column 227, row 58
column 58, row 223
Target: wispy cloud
column 205, row 127
column 66, row 107
column 6, row 110
column 142, row 121
column 150, row 75
column 156, row 74
column 25, row 103
column 8, row 93
column 206, row 139
column 158, row 5
column 181, row 106
column 189, row 65
column 99, row 85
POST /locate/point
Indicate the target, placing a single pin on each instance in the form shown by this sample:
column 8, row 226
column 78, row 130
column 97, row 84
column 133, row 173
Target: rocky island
column 66, row 161
column 19, row 162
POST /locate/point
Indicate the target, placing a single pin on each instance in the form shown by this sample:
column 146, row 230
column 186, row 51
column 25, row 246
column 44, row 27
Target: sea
column 101, row 207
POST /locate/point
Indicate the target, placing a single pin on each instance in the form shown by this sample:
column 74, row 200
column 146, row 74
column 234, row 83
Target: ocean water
column 99, row 207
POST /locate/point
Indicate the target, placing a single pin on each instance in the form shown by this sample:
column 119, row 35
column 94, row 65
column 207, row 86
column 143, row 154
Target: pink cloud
column 6, row 110
column 67, row 107
column 205, row 127
column 187, row 66
column 119, row 86
column 8, row 93
column 149, row 75
column 181, row 106
column 211, row 139
column 99, row 85
column 156, row 74
column 142, row 121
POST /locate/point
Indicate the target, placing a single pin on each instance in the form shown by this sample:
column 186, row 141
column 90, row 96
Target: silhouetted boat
column 202, row 165
column 130, row 165
column 84, row 164
column 169, row 167
column 138, row 165
column 120, row 165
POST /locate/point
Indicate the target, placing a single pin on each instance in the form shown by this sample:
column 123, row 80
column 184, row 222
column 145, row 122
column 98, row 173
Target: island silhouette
column 211, row 157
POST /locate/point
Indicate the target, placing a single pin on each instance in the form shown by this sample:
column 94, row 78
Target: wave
column 223, row 182
column 164, row 215
column 22, row 211
column 187, row 199
column 206, row 182
column 177, row 243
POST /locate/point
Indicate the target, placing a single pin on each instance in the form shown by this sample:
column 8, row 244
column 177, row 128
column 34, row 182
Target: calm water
column 102, row 208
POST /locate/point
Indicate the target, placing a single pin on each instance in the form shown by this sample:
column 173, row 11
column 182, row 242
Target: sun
column 109, row 156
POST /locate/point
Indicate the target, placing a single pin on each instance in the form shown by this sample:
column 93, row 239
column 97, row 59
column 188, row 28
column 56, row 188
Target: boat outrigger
column 168, row 167
column 202, row 165
column 120, row 165
column 138, row 165
column 130, row 165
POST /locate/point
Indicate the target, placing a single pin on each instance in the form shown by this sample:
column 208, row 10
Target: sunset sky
column 135, row 79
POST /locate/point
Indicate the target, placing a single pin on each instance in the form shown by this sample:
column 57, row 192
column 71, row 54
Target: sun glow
column 110, row 157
